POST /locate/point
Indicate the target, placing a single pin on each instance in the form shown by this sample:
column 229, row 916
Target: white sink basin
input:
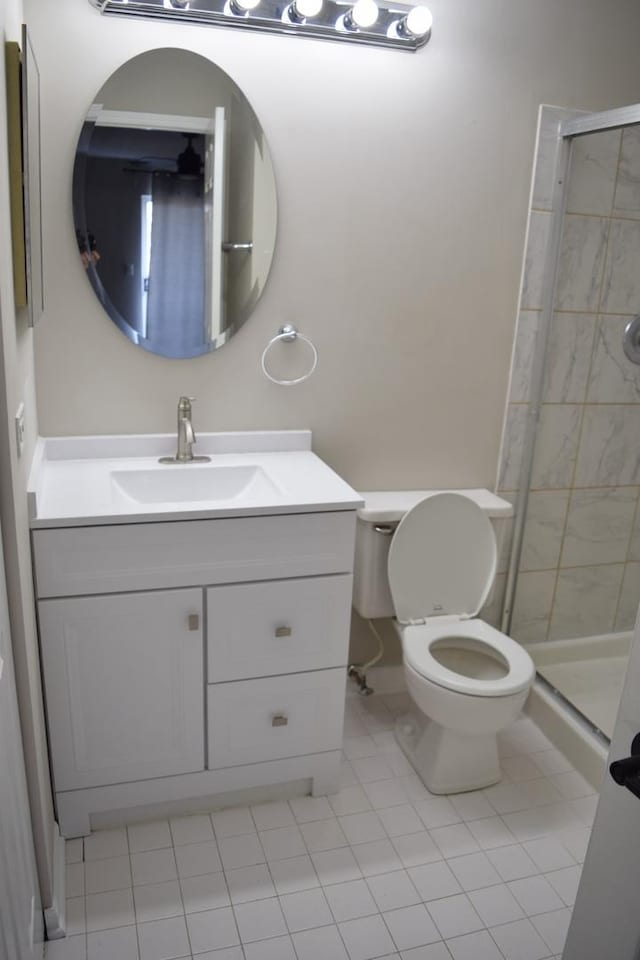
column 192, row 483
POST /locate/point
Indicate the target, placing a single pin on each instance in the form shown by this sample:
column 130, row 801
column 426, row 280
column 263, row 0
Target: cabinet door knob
column 279, row 720
column 193, row 621
column 283, row 631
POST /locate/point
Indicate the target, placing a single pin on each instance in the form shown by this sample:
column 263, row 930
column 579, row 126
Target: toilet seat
column 441, row 566
column 419, row 640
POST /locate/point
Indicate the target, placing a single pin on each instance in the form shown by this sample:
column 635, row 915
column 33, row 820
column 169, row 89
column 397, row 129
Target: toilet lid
column 442, row 559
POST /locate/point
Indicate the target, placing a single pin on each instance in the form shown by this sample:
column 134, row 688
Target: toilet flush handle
column 385, row 529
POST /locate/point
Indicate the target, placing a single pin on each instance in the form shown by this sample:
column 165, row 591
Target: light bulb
column 364, row 13
column 303, row 9
column 418, row 22
column 240, row 7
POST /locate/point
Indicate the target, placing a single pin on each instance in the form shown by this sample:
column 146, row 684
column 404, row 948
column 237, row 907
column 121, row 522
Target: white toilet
column 466, row 679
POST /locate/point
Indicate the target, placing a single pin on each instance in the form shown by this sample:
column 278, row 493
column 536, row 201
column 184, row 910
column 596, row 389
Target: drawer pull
column 279, row 720
column 193, row 621
column 283, row 632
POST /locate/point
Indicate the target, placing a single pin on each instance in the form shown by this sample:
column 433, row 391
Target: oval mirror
column 174, row 203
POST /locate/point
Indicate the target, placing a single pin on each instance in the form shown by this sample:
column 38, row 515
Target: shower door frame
column 568, row 130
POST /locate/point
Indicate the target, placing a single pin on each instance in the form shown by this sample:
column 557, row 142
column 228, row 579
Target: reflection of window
column 146, row 218
column 175, row 306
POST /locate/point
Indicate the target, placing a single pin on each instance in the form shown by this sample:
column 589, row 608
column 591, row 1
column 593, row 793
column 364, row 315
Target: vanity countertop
column 84, row 481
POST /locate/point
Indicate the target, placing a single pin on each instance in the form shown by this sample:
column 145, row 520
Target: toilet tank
column 376, row 524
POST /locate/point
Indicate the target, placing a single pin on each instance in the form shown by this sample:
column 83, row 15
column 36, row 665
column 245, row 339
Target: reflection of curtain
column 175, row 310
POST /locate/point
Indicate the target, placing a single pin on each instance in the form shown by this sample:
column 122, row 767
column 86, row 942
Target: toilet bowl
column 467, row 680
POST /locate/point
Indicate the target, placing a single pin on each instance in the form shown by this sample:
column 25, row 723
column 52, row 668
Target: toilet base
column 445, row 760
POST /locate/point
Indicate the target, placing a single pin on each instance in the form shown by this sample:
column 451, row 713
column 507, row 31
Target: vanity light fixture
column 384, row 23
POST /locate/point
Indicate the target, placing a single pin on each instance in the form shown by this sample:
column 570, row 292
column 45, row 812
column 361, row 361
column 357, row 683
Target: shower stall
column 570, row 458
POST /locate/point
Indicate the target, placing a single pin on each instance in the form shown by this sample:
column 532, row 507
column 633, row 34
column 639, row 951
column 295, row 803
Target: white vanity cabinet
column 186, row 662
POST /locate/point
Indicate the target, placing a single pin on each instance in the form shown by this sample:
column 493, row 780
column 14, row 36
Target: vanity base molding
column 116, row 804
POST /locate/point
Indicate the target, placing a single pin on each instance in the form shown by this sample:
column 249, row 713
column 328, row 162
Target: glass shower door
column 575, row 576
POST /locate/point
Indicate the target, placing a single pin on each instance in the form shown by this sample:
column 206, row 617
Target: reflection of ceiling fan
column 189, row 161
column 187, row 164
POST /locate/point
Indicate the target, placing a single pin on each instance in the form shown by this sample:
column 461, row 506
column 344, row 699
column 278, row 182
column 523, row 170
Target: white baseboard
column 55, row 919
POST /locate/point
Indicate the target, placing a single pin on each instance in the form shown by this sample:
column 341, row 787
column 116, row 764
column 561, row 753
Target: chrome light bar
column 397, row 25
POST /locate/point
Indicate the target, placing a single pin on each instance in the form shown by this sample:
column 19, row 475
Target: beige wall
column 403, row 184
column 17, row 384
column 403, row 191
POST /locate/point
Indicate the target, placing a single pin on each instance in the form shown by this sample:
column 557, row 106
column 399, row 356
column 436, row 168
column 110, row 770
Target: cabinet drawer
column 88, row 560
column 276, row 627
column 275, row 717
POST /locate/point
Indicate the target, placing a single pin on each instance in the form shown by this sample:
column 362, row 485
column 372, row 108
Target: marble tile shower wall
column 580, row 566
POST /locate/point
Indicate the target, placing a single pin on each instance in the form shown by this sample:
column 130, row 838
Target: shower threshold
column 576, row 695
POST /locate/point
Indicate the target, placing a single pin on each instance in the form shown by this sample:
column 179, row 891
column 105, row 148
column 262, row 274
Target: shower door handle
column 626, row 773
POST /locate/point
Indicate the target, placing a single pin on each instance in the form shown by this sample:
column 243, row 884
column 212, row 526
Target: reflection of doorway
column 152, row 266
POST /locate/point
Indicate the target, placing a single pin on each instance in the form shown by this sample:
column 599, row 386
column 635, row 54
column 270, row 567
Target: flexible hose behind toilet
column 358, row 671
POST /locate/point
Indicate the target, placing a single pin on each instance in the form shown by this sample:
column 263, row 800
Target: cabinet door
column 124, row 686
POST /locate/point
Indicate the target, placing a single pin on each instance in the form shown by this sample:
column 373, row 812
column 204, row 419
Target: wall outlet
column 20, row 429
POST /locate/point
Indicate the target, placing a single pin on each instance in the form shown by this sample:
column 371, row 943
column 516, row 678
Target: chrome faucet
column 186, row 436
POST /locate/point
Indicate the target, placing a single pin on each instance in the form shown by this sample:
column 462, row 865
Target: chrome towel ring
column 287, row 334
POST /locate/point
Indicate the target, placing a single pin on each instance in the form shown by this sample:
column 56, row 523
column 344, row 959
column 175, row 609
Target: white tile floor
column 382, row 869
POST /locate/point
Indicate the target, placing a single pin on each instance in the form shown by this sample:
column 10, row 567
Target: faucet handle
column 184, row 404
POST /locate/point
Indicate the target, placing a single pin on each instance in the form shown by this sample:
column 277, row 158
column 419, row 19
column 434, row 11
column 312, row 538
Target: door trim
column 55, row 917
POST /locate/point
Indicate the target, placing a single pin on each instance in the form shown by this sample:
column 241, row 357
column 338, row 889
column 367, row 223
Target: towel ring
column 288, row 333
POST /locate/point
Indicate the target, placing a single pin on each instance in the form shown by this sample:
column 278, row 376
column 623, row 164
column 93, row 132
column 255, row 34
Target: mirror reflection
column 174, row 203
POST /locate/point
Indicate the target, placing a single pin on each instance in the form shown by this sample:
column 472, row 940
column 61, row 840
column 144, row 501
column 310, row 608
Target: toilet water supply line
column 358, row 671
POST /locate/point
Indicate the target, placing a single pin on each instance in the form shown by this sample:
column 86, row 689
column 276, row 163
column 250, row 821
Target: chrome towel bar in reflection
column 287, row 334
